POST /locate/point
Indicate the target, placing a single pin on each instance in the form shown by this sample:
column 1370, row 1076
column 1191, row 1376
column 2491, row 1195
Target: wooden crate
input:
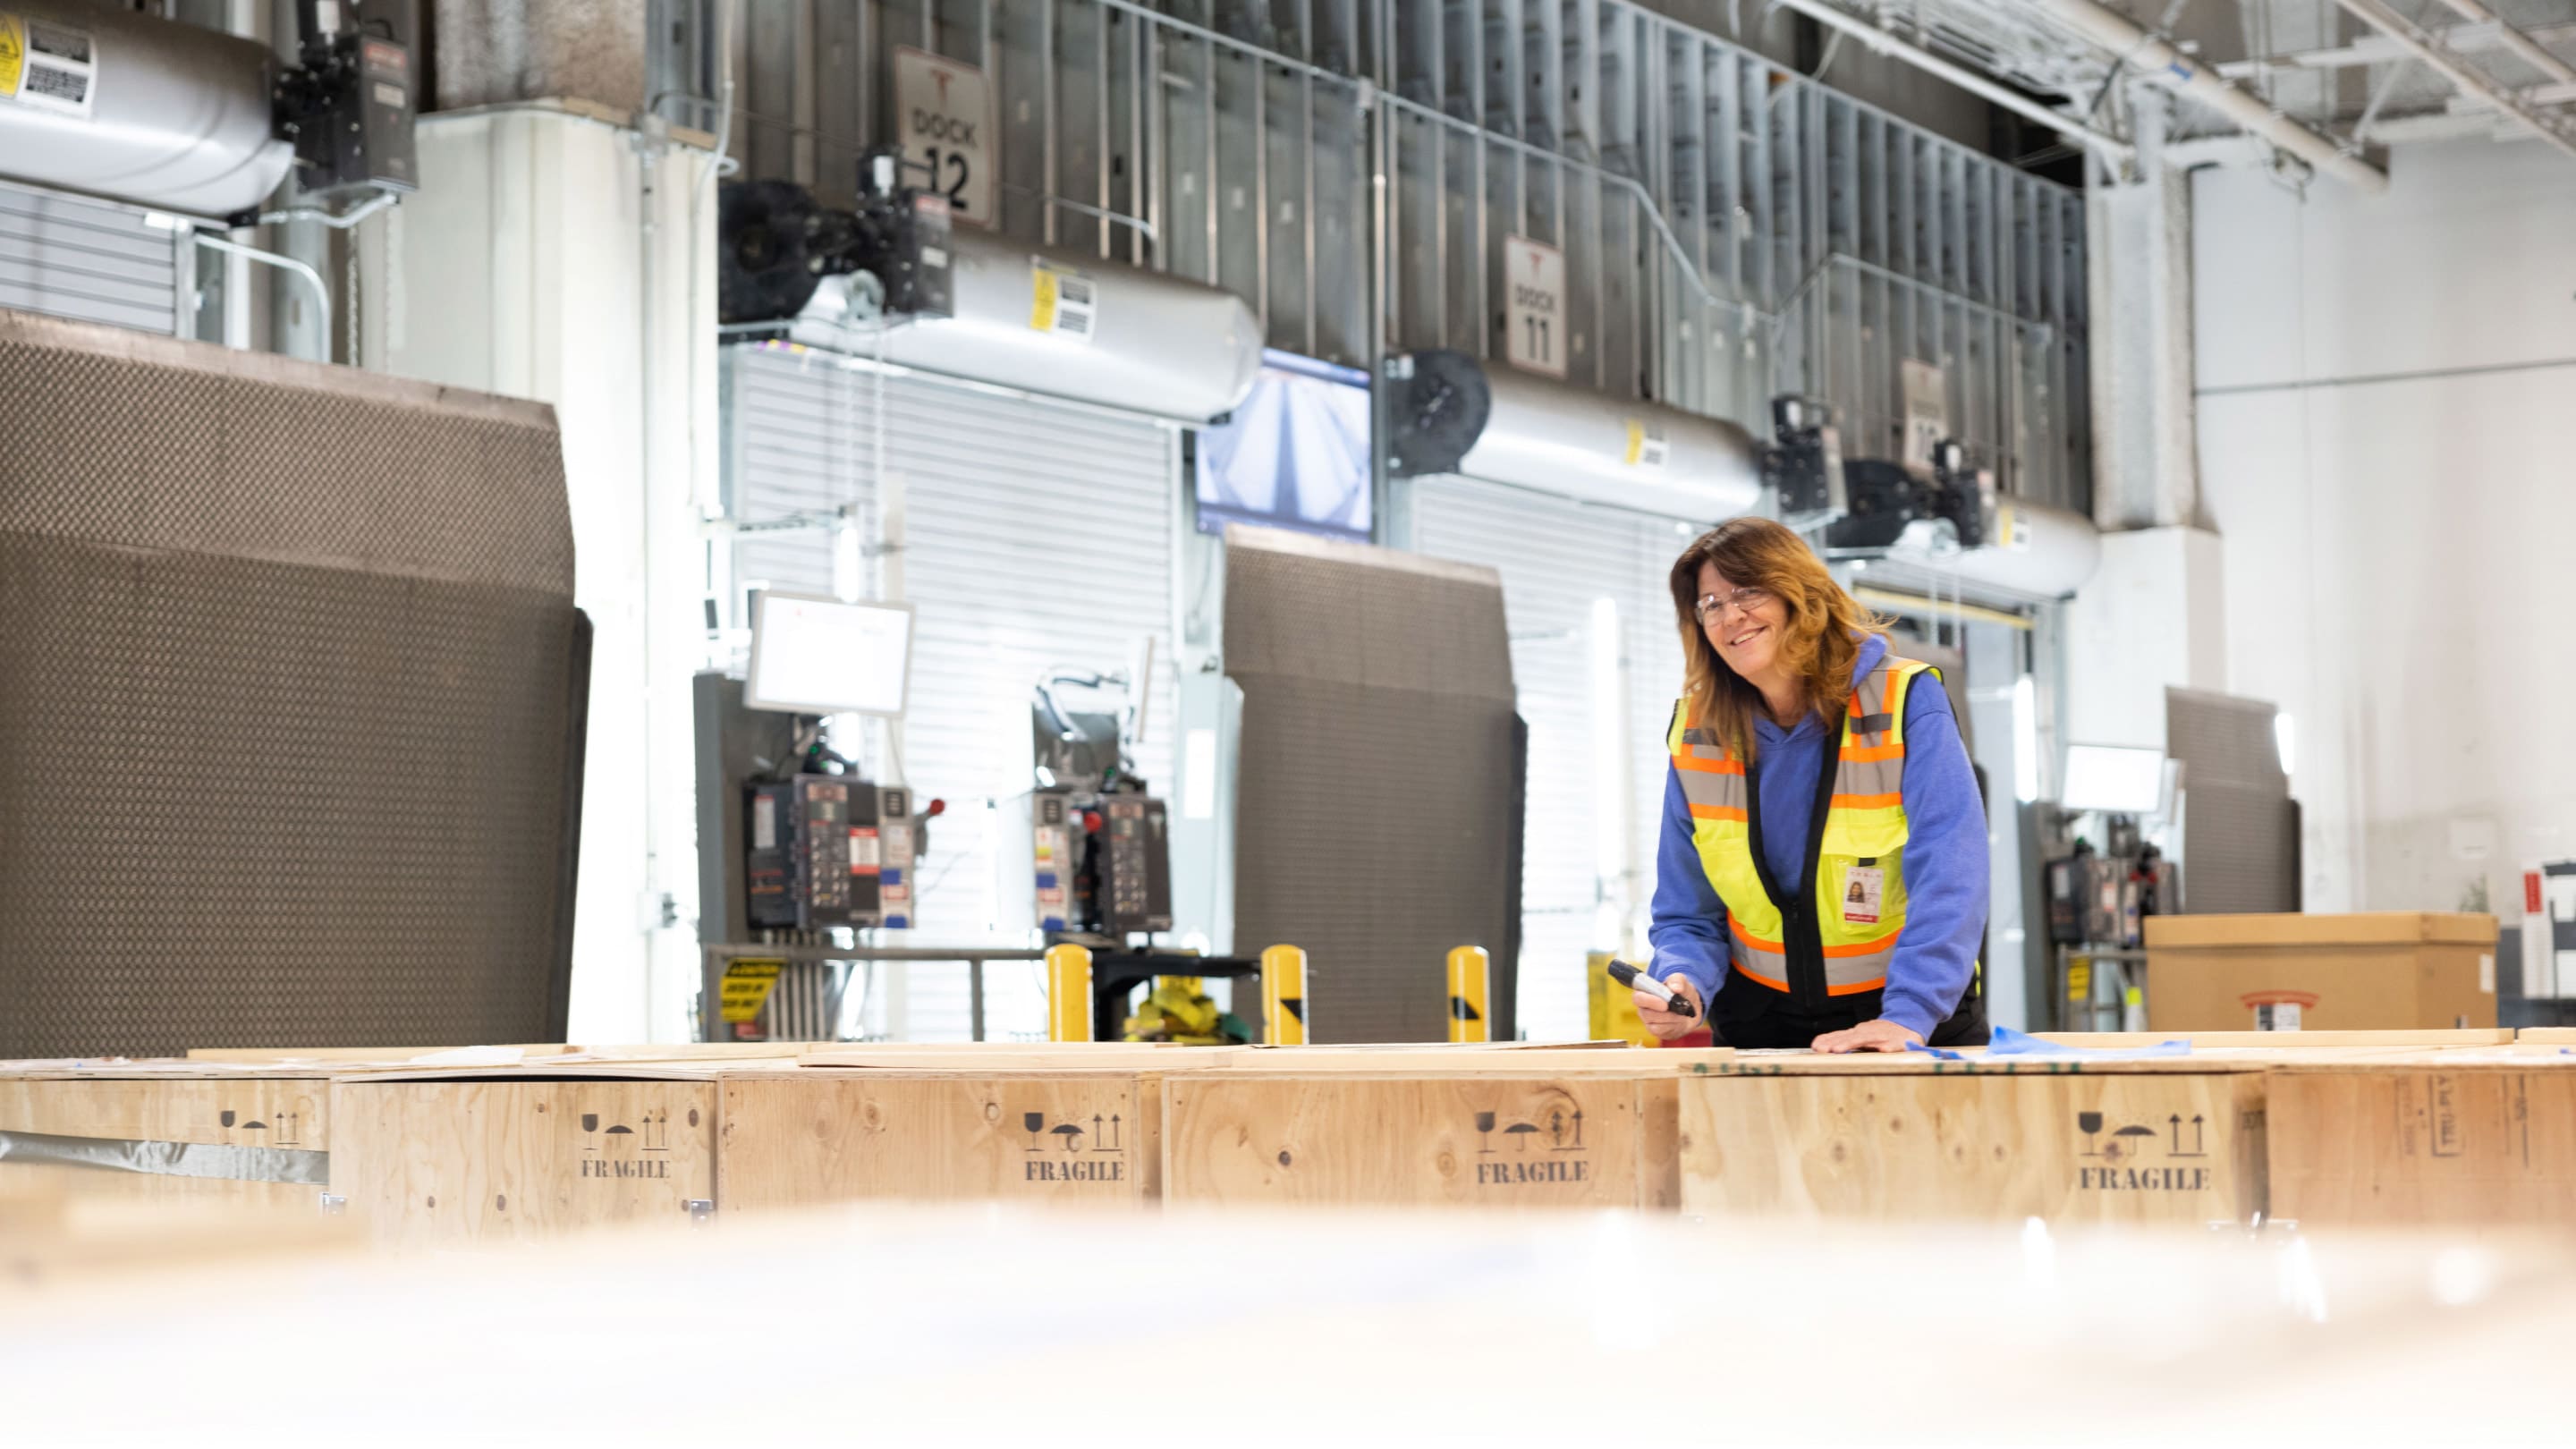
column 348, row 1056
column 271, row 1126
column 498, row 1155
column 2173, row 1140
column 1048, row 1134
column 2458, row 1138
column 1532, row 1130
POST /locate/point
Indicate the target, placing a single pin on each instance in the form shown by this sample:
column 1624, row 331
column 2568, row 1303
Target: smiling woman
column 1872, row 943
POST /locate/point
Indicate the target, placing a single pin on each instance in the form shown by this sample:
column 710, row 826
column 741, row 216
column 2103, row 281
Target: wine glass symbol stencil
column 1484, row 1130
column 2089, row 1123
column 1035, row 1122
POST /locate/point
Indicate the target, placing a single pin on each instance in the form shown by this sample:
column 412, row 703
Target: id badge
column 1864, row 889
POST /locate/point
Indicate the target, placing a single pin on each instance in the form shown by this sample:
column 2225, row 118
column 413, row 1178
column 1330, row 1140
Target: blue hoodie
column 1946, row 883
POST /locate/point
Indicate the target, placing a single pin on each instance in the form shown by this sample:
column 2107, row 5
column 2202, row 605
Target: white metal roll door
column 1557, row 558
column 1036, row 535
column 89, row 261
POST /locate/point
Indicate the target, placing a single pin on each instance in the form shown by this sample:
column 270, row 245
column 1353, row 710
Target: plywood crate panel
column 269, row 1132
column 1525, row 1138
column 2173, row 1141
column 818, row 1135
column 2455, row 1139
column 501, row 1156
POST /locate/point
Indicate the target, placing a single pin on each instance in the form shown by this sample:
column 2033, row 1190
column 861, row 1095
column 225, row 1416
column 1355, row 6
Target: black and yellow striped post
column 1068, row 969
column 1469, row 968
column 1283, row 996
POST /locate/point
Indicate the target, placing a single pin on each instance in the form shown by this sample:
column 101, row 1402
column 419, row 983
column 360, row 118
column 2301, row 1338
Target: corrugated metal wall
column 88, row 261
column 1556, row 559
column 1037, row 535
column 1730, row 229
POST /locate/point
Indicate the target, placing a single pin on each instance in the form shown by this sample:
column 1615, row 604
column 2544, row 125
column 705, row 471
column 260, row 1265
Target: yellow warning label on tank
column 1636, row 442
column 1042, row 300
column 746, row 988
column 13, row 53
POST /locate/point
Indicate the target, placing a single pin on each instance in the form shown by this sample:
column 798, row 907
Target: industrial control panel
column 828, row 850
column 1132, row 856
column 1103, row 863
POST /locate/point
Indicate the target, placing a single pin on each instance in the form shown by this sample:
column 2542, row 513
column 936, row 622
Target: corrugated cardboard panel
column 2369, row 928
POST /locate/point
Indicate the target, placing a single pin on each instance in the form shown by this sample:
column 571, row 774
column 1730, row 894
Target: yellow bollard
column 1068, row 970
column 1469, row 967
column 1283, row 996
column 1614, row 1007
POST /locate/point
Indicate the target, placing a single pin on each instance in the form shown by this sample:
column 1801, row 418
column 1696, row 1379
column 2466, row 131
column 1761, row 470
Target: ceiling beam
column 2153, row 59
column 2377, row 49
column 2427, row 46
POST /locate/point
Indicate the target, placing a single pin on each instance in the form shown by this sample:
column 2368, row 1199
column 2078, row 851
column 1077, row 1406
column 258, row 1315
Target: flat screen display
column 2121, row 779
column 1295, row 455
column 828, row 656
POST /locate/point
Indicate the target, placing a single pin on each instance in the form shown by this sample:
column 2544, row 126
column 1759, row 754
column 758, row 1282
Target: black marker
column 1675, row 1002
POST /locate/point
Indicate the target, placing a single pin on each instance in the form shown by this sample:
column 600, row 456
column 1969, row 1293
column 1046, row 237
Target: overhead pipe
column 2427, row 47
column 1887, row 43
column 2187, row 77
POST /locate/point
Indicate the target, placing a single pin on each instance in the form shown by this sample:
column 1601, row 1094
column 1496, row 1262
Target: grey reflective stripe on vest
column 1703, row 787
column 1870, row 777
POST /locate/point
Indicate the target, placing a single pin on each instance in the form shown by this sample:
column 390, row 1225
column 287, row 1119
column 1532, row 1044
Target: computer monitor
column 2118, row 779
column 813, row 655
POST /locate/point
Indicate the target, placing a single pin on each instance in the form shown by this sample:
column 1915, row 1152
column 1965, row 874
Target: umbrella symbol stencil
column 1067, row 1131
column 1522, row 1130
column 2126, row 1143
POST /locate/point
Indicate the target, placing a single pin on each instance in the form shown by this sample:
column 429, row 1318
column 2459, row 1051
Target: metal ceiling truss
column 2445, row 67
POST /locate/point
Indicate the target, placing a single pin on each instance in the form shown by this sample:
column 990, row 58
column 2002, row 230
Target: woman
column 1822, row 880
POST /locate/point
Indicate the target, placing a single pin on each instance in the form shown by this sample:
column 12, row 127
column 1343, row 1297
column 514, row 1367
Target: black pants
column 1758, row 1018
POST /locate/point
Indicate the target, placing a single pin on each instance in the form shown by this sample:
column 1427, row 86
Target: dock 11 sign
column 1534, row 310
column 945, row 112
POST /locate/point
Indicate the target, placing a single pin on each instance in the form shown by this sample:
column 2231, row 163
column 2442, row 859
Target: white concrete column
column 2145, row 473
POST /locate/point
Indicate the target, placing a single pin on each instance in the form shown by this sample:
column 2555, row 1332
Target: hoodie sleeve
column 1946, row 880
column 1689, row 926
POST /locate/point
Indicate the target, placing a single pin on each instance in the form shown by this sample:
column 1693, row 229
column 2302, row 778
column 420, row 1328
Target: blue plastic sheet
column 2007, row 1042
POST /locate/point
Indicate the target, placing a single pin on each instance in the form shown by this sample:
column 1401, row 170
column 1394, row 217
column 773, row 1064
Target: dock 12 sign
column 945, row 112
column 1534, row 314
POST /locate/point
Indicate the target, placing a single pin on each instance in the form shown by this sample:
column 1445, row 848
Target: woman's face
column 1743, row 623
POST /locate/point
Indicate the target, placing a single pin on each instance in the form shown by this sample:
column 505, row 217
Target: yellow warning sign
column 2079, row 979
column 745, row 988
column 13, row 53
column 1636, row 442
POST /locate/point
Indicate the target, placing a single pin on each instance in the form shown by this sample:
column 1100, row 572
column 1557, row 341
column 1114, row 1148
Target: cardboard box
column 2465, row 1138
column 2160, row 1140
column 2399, row 970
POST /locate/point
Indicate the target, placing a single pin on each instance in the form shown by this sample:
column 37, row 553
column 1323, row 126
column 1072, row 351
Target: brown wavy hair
column 1820, row 641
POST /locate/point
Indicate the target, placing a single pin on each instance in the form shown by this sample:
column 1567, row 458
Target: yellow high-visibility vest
column 1859, row 915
